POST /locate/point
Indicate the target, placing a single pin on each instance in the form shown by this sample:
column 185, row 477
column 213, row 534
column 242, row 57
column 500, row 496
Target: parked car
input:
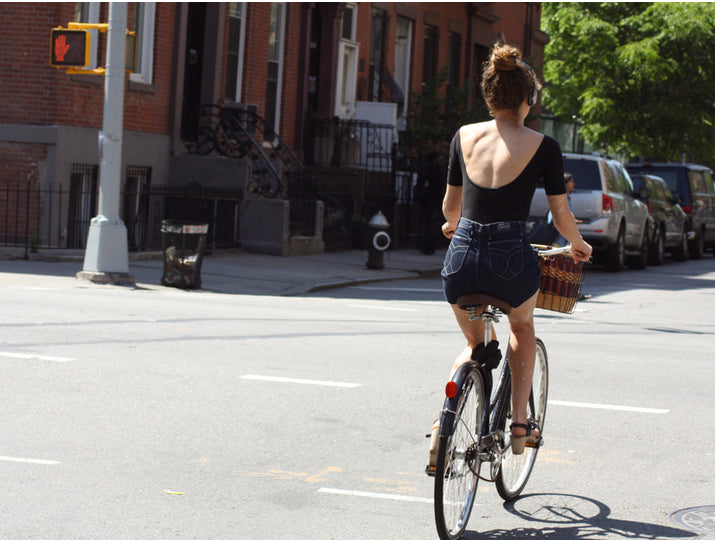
column 613, row 220
column 693, row 184
column 668, row 220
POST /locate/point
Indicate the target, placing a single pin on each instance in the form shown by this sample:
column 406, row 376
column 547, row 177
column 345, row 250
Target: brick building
column 291, row 64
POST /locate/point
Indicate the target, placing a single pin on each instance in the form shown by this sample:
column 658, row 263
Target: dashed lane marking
column 27, row 356
column 373, row 495
column 268, row 378
column 29, row 460
column 624, row 408
column 382, row 308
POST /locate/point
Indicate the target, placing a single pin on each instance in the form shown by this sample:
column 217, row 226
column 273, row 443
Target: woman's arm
column 565, row 223
column 452, row 209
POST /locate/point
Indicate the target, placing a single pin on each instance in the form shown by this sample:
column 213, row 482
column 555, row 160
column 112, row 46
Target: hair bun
column 505, row 57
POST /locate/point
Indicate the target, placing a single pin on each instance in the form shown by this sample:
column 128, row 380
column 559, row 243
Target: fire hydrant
column 378, row 241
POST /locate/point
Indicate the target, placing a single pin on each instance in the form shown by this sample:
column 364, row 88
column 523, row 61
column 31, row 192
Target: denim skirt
column 494, row 259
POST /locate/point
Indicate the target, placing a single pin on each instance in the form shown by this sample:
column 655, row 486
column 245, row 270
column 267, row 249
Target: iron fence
column 56, row 217
column 352, row 144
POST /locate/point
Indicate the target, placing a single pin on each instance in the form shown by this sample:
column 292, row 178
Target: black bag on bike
column 544, row 233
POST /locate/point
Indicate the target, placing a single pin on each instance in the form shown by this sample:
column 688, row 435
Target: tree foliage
column 639, row 76
column 435, row 114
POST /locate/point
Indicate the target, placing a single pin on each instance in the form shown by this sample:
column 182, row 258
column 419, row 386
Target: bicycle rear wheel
column 516, row 469
column 456, row 474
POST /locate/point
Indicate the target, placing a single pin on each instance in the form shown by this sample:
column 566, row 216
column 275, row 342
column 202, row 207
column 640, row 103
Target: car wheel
column 615, row 255
column 680, row 253
column 656, row 254
column 640, row 261
column 697, row 246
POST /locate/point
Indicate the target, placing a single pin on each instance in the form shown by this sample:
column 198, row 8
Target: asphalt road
column 144, row 413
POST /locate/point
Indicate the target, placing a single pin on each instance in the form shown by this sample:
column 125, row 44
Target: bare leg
column 522, row 351
column 473, row 331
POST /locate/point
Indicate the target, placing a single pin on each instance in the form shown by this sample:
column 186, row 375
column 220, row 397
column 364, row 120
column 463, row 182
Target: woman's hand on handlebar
column 581, row 251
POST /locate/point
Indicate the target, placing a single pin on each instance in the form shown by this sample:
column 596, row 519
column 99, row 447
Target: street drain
column 700, row 519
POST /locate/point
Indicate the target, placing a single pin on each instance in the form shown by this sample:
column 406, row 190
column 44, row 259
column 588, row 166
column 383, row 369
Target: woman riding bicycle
column 493, row 170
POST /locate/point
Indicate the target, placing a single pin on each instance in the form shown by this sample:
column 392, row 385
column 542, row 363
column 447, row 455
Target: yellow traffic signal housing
column 69, row 48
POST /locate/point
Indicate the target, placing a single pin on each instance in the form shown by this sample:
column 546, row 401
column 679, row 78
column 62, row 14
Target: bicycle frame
column 488, row 432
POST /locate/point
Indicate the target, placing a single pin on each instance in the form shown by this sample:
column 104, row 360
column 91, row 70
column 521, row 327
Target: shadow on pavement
column 564, row 517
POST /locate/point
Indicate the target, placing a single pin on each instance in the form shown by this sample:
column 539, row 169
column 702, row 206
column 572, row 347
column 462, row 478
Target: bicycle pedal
column 430, row 471
column 537, row 444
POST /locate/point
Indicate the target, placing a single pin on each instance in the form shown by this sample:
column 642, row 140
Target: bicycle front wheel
column 516, row 469
column 457, row 470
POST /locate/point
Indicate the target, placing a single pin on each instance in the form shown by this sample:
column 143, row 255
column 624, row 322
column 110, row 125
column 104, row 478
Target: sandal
column 519, row 442
column 433, row 447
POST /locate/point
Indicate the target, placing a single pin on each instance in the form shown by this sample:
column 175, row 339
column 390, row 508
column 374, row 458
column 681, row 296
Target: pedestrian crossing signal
column 69, row 48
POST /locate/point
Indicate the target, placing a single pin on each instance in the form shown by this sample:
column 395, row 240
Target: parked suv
column 613, row 220
column 668, row 220
column 694, row 185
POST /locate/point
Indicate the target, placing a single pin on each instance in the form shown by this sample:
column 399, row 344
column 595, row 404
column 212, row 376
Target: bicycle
column 474, row 422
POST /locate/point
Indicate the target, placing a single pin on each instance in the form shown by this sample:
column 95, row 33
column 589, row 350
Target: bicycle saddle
column 472, row 300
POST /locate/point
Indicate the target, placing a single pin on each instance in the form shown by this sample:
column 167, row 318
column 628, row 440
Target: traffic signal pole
column 106, row 257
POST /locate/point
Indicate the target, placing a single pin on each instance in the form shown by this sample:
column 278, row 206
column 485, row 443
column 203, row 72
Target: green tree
column 640, row 76
column 435, row 114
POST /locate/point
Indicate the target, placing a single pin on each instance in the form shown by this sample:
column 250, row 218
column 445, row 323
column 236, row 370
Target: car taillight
column 607, row 204
column 687, row 209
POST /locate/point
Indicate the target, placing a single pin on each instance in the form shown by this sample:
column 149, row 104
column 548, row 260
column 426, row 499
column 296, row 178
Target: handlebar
column 548, row 251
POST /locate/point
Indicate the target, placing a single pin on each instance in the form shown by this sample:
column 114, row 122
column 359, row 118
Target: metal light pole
column 106, row 258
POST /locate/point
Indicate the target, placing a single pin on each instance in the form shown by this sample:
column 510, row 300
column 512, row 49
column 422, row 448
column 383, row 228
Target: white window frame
column 145, row 44
column 241, row 51
column 92, row 17
column 403, row 78
column 281, row 31
column 348, row 52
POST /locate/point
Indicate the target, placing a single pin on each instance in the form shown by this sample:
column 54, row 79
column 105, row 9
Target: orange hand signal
column 61, row 48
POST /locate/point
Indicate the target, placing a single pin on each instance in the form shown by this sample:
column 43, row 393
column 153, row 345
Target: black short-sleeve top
column 512, row 201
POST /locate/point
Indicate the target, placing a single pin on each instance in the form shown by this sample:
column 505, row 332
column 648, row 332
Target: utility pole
column 106, row 257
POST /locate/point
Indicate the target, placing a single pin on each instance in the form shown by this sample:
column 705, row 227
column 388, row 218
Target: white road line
column 407, row 289
column 373, row 495
column 299, row 381
column 24, row 356
column 625, row 408
column 29, row 460
column 384, row 308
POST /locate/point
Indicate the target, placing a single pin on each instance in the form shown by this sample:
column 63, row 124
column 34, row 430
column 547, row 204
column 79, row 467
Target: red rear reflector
column 607, row 204
column 687, row 209
column 451, row 389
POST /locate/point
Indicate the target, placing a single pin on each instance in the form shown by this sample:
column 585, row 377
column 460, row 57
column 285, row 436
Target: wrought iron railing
column 56, row 218
column 352, row 144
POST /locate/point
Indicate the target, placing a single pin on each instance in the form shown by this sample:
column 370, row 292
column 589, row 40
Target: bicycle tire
column 515, row 470
column 457, row 469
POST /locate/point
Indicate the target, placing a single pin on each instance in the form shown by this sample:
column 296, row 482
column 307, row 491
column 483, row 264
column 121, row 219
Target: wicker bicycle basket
column 561, row 280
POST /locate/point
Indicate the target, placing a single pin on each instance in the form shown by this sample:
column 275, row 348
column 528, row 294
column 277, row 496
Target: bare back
column 495, row 156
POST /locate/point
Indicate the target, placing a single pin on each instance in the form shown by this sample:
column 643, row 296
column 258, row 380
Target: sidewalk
column 235, row 272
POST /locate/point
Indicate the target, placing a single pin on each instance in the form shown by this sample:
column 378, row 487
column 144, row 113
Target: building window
column 236, row 44
column 377, row 54
column 455, row 57
column 144, row 15
column 82, row 204
column 275, row 66
column 347, row 64
column 88, row 12
column 403, row 53
column 429, row 62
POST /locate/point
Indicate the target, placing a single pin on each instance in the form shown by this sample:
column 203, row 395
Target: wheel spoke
column 516, row 469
